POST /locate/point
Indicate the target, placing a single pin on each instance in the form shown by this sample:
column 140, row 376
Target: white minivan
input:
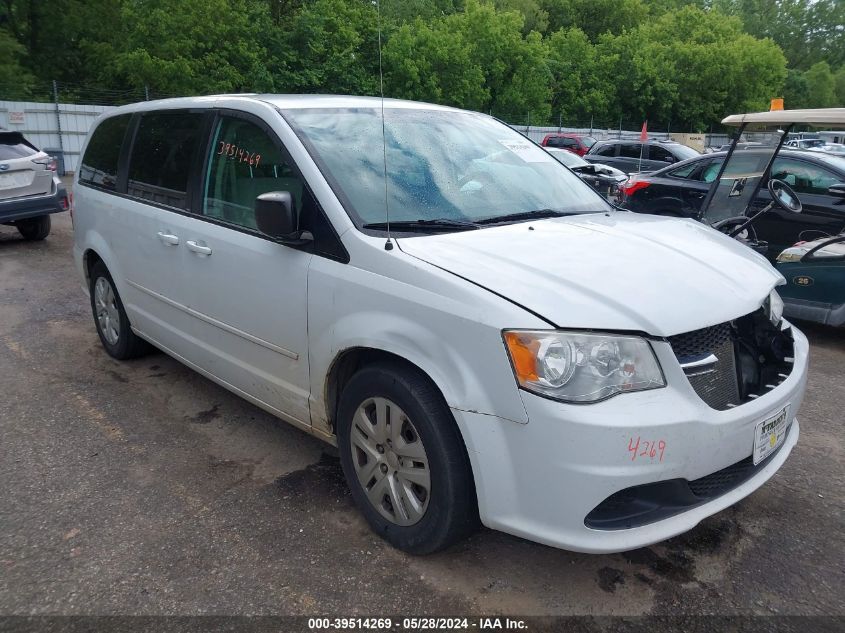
column 482, row 335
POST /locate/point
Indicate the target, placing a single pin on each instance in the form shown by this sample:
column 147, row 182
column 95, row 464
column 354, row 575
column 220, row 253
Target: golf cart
column 744, row 191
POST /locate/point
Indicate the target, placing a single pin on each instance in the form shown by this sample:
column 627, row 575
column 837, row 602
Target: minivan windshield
column 446, row 167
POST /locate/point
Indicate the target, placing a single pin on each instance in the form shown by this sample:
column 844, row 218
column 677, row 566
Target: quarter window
column 804, row 177
column 99, row 164
column 685, row 171
column 165, row 148
column 245, row 162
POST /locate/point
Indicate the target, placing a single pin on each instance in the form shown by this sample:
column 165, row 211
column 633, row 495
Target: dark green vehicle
column 815, row 280
column 814, row 268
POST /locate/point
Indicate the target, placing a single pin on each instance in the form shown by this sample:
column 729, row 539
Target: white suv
column 30, row 190
column 481, row 334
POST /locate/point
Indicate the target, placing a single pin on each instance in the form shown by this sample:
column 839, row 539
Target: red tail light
column 52, row 165
column 632, row 185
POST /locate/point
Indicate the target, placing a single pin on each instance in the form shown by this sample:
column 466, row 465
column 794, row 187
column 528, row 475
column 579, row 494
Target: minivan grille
column 718, row 387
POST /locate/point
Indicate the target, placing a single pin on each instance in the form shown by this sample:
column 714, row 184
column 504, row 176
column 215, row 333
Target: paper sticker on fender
column 768, row 435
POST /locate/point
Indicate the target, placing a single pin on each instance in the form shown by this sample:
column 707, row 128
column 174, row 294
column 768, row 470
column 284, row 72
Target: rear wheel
column 404, row 459
column 110, row 318
column 34, row 229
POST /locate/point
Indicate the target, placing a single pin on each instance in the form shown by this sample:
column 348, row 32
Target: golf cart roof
column 821, row 117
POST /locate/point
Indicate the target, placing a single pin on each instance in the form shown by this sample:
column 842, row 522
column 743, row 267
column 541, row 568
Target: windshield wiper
column 524, row 215
column 438, row 224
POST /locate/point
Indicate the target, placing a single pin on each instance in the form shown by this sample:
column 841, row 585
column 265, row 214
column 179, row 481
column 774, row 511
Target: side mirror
column 669, row 159
column 275, row 216
column 837, row 191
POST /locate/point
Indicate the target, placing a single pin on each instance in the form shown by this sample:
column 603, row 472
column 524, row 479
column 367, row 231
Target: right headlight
column 576, row 367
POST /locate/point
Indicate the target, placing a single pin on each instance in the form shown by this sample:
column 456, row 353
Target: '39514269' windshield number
column 650, row 449
column 238, row 153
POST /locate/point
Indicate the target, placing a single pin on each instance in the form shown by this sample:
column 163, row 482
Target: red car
column 576, row 143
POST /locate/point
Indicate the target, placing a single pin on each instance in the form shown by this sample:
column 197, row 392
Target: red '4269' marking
column 646, row 449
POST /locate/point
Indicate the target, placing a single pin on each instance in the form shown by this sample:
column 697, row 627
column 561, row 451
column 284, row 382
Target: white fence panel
column 38, row 122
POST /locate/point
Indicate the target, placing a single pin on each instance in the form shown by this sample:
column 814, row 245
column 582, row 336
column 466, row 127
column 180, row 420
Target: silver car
column 30, row 189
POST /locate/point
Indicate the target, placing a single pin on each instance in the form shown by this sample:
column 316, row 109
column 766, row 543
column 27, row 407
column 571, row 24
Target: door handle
column 198, row 248
column 168, row 238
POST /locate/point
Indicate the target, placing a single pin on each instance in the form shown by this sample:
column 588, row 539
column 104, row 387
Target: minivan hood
column 614, row 271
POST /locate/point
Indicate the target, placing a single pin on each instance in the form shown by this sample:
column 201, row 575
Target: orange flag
column 644, row 133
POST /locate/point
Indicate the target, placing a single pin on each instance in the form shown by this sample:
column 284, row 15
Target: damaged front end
column 733, row 362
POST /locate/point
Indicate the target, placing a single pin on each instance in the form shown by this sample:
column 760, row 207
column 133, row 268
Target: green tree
column 692, row 67
column 581, row 85
column 16, row 82
column 331, row 46
column 433, row 64
column 795, row 90
column 193, row 46
column 536, row 18
column 839, row 80
column 807, row 31
column 821, row 86
column 595, row 17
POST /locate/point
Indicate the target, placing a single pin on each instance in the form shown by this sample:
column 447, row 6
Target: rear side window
column 655, row 152
column 604, row 150
column 630, row 150
column 99, row 164
column 804, row 177
column 164, row 151
column 13, row 145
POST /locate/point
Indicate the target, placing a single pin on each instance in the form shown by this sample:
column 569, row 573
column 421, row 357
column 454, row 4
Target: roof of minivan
column 820, row 117
column 283, row 102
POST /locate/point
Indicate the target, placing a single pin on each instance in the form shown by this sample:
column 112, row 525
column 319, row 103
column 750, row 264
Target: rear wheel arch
column 90, row 259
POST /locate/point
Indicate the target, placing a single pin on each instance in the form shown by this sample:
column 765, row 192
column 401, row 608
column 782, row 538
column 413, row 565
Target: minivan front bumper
column 542, row 480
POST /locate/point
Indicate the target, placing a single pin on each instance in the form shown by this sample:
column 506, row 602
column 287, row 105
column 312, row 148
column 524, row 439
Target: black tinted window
column 14, row 145
column 630, row 150
column 655, row 152
column 605, row 150
column 99, row 164
column 165, row 148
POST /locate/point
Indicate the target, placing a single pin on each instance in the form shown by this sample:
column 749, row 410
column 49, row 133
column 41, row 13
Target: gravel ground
column 143, row 488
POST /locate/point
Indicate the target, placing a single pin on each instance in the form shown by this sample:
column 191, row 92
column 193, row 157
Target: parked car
column 680, row 190
column 837, row 149
column 575, row 143
column 635, row 156
column 815, row 280
column 804, row 143
column 477, row 330
column 603, row 178
column 30, row 190
column 744, row 145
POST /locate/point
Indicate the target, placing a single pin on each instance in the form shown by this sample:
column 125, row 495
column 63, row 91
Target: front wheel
column 404, row 459
column 34, row 229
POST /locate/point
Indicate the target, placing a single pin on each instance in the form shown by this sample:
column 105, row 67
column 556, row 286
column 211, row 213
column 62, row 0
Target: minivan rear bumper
column 33, row 206
column 542, row 480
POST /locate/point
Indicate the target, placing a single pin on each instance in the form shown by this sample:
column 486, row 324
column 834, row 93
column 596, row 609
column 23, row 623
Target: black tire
column 128, row 345
column 452, row 511
column 34, row 229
